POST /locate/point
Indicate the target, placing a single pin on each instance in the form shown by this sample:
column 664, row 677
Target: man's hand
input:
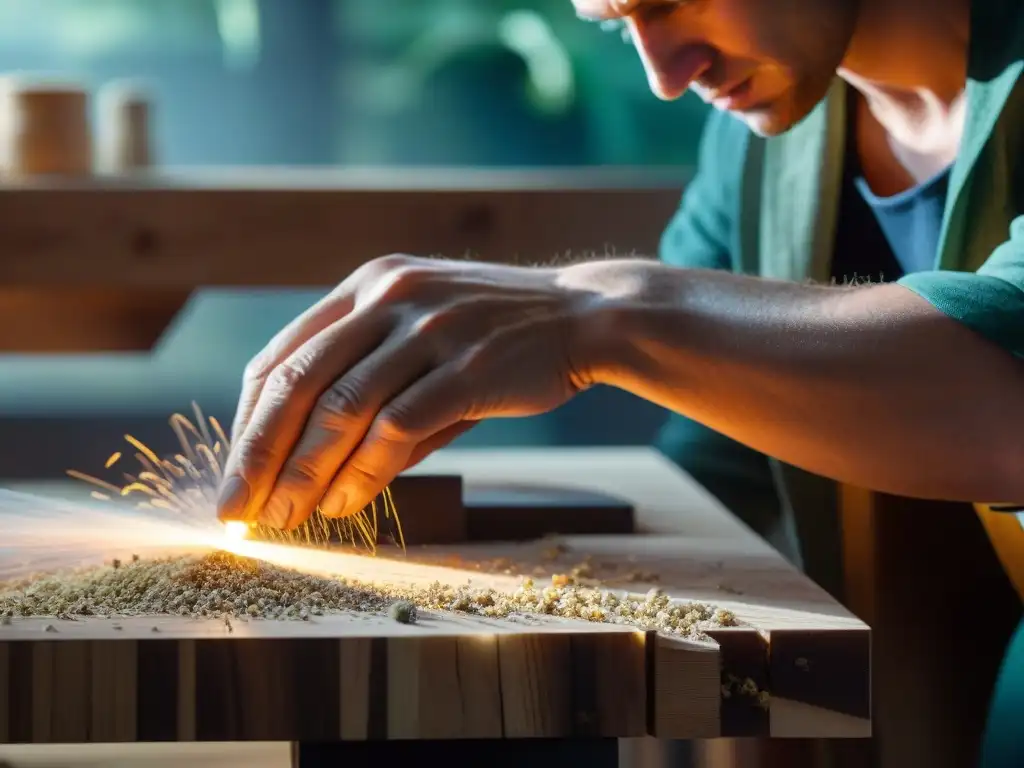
column 405, row 355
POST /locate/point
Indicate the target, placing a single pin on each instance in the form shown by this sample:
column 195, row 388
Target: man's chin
column 770, row 119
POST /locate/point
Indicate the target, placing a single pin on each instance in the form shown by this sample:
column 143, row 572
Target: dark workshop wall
column 349, row 82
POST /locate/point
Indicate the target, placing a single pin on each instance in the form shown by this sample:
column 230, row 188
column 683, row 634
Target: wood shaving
column 227, row 586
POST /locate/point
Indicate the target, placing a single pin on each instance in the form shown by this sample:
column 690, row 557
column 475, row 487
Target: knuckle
column 394, row 261
column 472, row 362
column 380, row 267
column 404, row 282
column 300, row 472
column 256, row 369
column 360, row 473
column 342, row 401
column 256, row 455
column 436, row 323
column 393, row 425
column 286, row 378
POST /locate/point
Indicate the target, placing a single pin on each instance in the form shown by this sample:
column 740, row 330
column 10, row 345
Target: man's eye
column 649, row 12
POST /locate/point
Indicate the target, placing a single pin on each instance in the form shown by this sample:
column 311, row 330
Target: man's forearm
column 868, row 385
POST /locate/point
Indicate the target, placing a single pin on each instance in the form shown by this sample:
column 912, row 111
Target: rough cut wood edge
column 187, row 238
column 326, row 689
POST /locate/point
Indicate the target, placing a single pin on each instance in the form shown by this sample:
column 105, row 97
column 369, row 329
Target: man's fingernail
column 277, row 512
column 334, row 505
column 234, row 496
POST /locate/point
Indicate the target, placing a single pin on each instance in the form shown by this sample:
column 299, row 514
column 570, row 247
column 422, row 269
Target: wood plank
column 188, row 229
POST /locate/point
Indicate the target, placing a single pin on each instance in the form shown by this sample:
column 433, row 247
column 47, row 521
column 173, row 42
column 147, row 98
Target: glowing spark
column 236, row 530
column 185, row 483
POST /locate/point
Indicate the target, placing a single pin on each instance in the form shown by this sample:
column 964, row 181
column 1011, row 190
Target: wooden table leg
column 487, row 753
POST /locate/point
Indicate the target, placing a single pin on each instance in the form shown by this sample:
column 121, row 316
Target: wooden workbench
column 461, row 677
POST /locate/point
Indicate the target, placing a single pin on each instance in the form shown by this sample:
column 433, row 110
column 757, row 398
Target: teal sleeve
column 1003, row 746
column 989, row 301
column 702, row 235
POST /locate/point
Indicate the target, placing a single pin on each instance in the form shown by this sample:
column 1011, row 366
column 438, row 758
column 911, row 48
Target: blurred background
column 389, row 83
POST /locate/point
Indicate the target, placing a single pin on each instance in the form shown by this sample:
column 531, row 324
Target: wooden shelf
column 187, row 228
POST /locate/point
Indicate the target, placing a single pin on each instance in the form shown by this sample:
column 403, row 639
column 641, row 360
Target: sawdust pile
column 222, row 585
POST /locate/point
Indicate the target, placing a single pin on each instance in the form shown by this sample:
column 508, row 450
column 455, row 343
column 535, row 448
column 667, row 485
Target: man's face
column 768, row 61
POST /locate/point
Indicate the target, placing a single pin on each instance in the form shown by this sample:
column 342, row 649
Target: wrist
column 603, row 296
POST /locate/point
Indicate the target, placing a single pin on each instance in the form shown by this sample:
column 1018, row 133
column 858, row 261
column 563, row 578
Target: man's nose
column 670, row 60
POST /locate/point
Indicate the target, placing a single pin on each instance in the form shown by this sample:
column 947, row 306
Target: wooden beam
column 312, row 228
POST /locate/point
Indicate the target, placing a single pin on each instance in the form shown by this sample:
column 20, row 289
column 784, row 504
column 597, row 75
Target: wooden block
column 45, row 129
column 521, row 513
column 820, row 674
column 685, row 689
column 125, row 142
column 438, row 509
column 430, row 509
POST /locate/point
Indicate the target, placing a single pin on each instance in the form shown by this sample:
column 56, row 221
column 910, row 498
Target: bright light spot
column 235, row 530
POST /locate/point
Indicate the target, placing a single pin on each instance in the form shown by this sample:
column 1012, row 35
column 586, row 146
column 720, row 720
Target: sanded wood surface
column 449, row 676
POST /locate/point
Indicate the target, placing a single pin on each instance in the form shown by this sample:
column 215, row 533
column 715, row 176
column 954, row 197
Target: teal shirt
column 785, row 191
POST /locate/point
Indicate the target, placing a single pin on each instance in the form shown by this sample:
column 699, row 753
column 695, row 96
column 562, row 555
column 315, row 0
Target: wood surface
column 454, row 676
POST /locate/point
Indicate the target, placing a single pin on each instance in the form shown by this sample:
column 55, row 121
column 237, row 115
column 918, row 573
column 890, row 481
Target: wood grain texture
column 354, row 677
column 685, row 693
column 559, row 683
column 203, row 228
